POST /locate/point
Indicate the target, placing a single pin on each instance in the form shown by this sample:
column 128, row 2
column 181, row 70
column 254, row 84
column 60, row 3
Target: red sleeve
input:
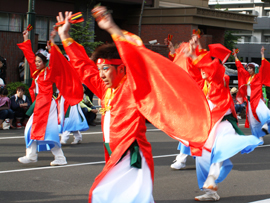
column 243, row 75
column 171, row 56
column 26, row 47
column 65, row 77
column 86, row 69
column 213, row 68
column 265, row 71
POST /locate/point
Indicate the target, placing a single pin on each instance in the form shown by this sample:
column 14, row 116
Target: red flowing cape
column 165, row 94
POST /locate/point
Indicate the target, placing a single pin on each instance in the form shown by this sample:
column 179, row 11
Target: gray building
column 250, row 42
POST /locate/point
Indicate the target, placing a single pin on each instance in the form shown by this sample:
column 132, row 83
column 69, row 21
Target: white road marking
column 262, row 201
column 86, row 133
column 70, row 165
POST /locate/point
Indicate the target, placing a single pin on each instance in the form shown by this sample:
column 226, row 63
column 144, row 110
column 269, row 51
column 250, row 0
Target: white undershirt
column 36, row 89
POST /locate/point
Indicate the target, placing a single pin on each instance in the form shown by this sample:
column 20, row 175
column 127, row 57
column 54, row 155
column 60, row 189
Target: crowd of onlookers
column 13, row 110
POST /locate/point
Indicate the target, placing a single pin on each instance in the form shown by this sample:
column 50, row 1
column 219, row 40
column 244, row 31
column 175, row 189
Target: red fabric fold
column 65, row 77
column 166, row 95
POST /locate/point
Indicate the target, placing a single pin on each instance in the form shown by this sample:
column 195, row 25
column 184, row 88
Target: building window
column 52, row 22
column 11, row 22
column 15, row 22
column 247, row 38
column 42, row 28
column 4, row 21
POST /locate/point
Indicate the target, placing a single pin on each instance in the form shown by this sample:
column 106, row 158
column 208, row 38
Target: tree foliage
column 230, row 41
column 83, row 34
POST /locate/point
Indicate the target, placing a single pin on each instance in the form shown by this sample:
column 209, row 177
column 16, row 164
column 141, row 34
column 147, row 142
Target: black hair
column 5, row 92
column 106, row 51
column 3, row 61
column 43, row 58
column 20, row 88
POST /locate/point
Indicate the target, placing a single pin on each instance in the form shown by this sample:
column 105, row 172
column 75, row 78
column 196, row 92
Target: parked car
column 231, row 70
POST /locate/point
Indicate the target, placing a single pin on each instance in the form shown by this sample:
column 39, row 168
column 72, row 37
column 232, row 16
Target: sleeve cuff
column 194, row 62
column 67, row 42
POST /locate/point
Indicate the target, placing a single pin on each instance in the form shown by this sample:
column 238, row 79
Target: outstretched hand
column 234, row 54
column 105, row 21
column 262, row 51
column 170, row 45
column 51, row 41
column 197, row 40
column 63, row 30
column 189, row 51
column 25, row 35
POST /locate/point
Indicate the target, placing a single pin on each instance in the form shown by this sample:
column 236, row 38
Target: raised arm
column 243, row 75
column 26, row 47
column 171, row 48
column 85, row 67
column 265, row 69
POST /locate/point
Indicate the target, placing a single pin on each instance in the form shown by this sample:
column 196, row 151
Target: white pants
column 31, row 152
column 65, row 136
column 125, row 184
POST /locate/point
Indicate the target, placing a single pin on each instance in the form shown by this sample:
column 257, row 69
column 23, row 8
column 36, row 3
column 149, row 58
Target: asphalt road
column 248, row 181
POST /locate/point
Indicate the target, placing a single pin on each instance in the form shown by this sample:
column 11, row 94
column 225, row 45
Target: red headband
column 110, row 61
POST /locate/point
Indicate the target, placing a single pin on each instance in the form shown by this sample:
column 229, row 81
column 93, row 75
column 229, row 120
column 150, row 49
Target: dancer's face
column 111, row 74
column 39, row 63
column 250, row 70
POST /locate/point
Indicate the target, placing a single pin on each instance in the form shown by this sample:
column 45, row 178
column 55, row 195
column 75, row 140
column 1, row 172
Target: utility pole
column 31, row 19
column 140, row 20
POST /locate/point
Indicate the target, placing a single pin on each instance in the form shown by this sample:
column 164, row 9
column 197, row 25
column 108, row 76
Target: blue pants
column 7, row 113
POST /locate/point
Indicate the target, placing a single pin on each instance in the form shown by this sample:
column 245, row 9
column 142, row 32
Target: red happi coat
column 150, row 91
column 218, row 91
column 186, row 63
column 65, row 79
column 261, row 78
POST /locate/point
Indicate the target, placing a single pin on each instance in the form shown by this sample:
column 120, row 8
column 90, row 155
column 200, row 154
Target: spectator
column 89, row 110
column 3, row 67
column 238, row 107
column 2, row 84
column 20, row 104
column 5, row 111
column 89, row 93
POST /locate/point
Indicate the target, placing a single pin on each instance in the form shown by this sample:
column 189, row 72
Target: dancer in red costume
column 250, row 85
column 136, row 85
column 41, row 131
column 225, row 139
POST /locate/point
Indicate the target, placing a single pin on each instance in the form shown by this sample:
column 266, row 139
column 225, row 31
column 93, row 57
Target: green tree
column 83, row 34
column 230, row 41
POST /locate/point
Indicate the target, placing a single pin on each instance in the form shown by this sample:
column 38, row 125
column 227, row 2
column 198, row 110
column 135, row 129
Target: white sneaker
column 64, row 137
column 208, row 196
column 210, row 183
column 58, row 162
column 5, row 125
column 239, row 117
column 265, row 128
column 77, row 141
column 25, row 160
column 178, row 165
